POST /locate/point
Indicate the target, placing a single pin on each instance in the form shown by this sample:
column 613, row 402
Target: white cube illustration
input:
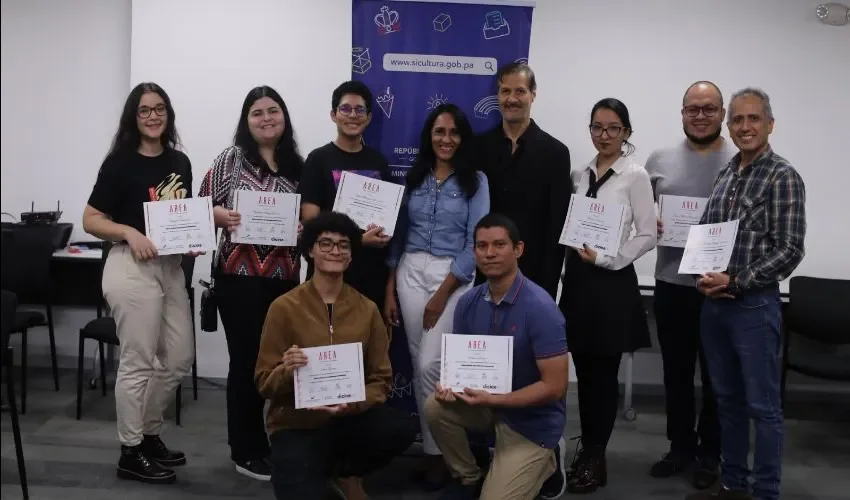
column 360, row 61
column 442, row 22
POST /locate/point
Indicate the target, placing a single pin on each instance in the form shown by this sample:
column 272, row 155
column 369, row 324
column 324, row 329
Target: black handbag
column 209, row 308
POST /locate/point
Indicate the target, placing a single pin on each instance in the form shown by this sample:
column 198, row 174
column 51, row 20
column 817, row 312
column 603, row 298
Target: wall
column 208, row 55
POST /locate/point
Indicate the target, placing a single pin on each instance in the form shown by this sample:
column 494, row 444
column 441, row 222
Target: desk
column 87, row 254
column 76, row 277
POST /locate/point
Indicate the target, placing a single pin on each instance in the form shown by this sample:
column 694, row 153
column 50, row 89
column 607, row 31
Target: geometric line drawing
column 442, row 22
column 495, row 25
column 486, row 106
column 360, row 60
column 385, row 102
column 522, row 60
column 436, row 100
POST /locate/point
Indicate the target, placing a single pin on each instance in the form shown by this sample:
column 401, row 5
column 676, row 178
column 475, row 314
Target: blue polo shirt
column 531, row 317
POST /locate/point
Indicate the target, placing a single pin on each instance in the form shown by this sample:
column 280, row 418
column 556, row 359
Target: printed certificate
column 180, row 226
column 709, row 248
column 267, row 218
column 369, row 201
column 595, row 222
column 478, row 362
column 678, row 214
column 333, row 375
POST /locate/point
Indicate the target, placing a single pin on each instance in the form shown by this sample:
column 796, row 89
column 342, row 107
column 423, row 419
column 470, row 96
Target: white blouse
column 629, row 186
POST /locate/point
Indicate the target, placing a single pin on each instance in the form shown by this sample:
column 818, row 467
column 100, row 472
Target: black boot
column 136, row 464
column 157, row 450
column 580, row 456
column 591, row 474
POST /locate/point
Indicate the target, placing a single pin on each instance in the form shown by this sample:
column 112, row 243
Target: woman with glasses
column 600, row 298
column 247, row 278
column 146, row 292
column 431, row 258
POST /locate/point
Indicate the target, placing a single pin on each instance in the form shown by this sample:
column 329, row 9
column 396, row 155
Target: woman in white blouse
column 600, row 297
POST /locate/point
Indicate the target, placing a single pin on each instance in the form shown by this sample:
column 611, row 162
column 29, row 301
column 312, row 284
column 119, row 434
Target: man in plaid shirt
column 741, row 318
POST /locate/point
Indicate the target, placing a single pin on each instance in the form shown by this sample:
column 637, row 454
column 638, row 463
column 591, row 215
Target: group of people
column 475, row 251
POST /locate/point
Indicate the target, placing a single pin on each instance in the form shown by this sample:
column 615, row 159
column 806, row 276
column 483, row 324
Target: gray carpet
column 69, row 459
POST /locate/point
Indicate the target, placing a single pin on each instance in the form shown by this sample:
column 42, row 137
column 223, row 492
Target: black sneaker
column 260, row 470
column 671, row 464
column 137, row 465
column 556, row 484
column 157, row 450
column 707, row 473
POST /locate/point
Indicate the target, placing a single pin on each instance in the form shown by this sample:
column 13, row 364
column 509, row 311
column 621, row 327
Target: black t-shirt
column 322, row 171
column 127, row 180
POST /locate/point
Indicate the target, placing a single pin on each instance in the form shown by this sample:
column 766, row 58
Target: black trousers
column 598, row 398
column 677, row 315
column 243, row 302
column 355, row 445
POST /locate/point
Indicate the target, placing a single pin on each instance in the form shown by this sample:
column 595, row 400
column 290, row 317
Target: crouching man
column 337, row 445
column 529, row 421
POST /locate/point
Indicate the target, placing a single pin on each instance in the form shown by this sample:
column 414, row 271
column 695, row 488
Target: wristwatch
column 733, row 287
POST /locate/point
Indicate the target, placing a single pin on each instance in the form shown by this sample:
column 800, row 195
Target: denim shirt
column 440, row 220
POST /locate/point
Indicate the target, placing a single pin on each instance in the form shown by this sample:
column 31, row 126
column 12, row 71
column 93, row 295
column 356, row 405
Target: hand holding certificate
column 678, row 214
column 598, row 224
column 709, row 248
column 266, row 218
column 483, row 362
column 369, row 201
column 180, row 226
column 333, row 375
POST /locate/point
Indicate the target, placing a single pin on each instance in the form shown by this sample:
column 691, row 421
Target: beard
column 702, row 141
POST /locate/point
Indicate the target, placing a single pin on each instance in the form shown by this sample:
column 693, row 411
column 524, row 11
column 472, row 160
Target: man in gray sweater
column 687, row 169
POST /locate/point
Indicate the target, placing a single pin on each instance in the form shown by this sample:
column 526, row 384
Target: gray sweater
column 681, row 171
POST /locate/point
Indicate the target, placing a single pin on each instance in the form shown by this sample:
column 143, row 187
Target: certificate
column 478, row 362
column 369, row 201
column 709, row 248
column 678, row 214
column 595, row 222
column 266, row 218
column 180, row 226
column 333, row 375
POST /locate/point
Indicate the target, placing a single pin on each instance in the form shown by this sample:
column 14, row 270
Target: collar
column 530, row 132
column 736, row 160
column 513, row 292
column 343, row 297
column 618, row 167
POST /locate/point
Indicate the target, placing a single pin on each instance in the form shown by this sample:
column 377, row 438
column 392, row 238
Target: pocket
column 753, row 214
column 754, row 301
column 454, row 203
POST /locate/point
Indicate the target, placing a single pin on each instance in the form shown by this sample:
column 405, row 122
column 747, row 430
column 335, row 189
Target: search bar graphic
column 433, row 63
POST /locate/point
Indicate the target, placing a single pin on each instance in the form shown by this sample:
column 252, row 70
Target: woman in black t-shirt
column 145, row 292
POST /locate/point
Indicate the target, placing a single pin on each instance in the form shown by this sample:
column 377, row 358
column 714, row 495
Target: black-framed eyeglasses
column 326, row 245
column 613, row 130
column 346, row 109
column 145, row 111
column 708, row 110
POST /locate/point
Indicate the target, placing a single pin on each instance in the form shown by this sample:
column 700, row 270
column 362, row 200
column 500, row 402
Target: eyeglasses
column 693, row 111
column 326, row 245
column 145, row 111
column 346, row 109
column 613, row 130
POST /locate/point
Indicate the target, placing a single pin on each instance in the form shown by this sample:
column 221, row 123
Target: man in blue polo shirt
column 529, row 421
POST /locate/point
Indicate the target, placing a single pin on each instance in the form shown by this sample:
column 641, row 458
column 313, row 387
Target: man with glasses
column 741, row 316
column 351, row 111
column 343, row 442
column 687, row 169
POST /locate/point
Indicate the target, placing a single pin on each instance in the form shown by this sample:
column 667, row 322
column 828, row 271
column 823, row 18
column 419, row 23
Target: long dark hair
column 289, row 160
column 462, row 162
column 622, row 113
column 128, row 138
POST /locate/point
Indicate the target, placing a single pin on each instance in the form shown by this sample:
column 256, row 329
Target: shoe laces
column 578, row 453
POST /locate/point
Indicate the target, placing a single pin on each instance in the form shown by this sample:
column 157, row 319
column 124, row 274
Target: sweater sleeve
column 272, row 382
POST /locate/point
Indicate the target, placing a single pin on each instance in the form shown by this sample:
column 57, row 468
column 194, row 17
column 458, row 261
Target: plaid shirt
column 768, row 198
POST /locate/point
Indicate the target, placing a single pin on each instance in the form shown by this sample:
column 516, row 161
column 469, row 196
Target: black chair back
column 25, row 261
column 820, row 309
column 8, row 306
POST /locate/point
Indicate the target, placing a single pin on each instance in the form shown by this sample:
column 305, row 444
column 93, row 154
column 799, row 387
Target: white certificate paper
column 266, row 218
column 678, row 214
column 180, row 226
column 478, row 362
column 709, row 248
column 369, row 201
column 333, row 375
column 595, row 222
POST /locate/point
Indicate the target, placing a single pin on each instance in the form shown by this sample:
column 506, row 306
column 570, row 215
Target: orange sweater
column 300, row 317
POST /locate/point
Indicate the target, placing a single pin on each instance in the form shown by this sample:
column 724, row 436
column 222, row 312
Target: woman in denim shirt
column 431, row 259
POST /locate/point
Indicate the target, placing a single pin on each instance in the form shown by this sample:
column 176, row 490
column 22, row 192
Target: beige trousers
column 151, row 309
column 519, row 466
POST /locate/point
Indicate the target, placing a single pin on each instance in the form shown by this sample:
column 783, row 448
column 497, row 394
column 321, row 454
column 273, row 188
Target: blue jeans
column 741, row 339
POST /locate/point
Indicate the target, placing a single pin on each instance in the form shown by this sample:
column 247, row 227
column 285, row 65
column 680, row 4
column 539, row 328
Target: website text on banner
column 418, row 55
